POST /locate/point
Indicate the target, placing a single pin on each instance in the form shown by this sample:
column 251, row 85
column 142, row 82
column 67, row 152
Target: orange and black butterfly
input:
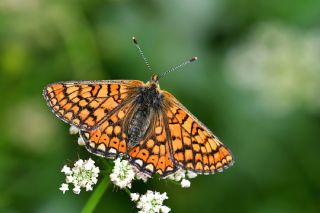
column 139, row 121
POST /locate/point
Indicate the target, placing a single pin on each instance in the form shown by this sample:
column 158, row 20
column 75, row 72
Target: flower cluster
column 122, row 173
column 84, row 174
column 280, row 65
column 182, row 177
column 150, row 202
column 140, row 175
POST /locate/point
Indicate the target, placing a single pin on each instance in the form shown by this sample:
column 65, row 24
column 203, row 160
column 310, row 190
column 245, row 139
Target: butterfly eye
column 142, row 89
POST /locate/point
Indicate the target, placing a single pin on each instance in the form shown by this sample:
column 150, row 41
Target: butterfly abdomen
column 138, row 125
column 147, row 102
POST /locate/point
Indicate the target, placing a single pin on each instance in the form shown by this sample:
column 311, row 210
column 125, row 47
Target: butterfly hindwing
column 194, row 146
column 85, row 104
column 152, row 154
column 109, row 139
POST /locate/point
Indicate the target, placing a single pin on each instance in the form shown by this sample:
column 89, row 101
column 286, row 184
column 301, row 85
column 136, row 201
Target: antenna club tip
column 193, row 59
column 134, row 40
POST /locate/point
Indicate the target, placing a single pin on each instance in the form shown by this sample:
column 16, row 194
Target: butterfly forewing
column 194, row 146
column 85, row 104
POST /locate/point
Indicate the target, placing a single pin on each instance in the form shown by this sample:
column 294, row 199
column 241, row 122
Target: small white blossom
column 88, row 187
column 165, row 209
column 78, row 164
column 69, row 179
column 134, row 196
column 181, row 176
column 76, row 190
column 191, row 174
column 185, row 183
column 89, row 164
column 84, row 174
column 152, row 202
column 140, row 175
column 64, row 187
column 122, row 173
column 81, row 142
column 73, row 130
column 178, row 175
column 66, row 170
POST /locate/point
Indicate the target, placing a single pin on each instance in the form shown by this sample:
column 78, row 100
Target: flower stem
column 127, row 190
column 96, row 196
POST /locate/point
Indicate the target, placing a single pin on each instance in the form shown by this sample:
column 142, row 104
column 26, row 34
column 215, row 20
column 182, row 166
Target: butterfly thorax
column 147, row 103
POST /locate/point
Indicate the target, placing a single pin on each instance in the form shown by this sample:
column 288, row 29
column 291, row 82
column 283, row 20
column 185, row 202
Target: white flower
column 69, row 179
column 66, row 170
column 84, row 174
column 134, row 196
column 140, row 175
column 76, row 190
column 177, row 176
column 181, row 176
column 152, row 202
column 81, row 142
column 73, row 130
column 191, row 174
column 185, row 183
column 280, row 65
column 122, row 173
column 78, row 164
column 88, row 187
column 64, row 187
column 89, row 164
column 165, row 209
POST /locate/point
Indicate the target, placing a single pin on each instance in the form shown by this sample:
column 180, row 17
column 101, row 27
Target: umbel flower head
column 122, row 173
column 150, row 202
column 280, row 65
column 84, row 174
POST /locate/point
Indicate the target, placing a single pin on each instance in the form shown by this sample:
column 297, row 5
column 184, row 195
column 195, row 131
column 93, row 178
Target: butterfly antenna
column 179, row 66
column 141, row 53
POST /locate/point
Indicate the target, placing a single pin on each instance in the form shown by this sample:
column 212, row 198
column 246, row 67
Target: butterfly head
column 154, row 82
column 154, row 79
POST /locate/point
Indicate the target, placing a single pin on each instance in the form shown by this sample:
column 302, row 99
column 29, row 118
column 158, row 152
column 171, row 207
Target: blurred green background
column 256, row 86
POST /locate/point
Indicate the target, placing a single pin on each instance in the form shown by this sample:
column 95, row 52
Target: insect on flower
column 140, row 122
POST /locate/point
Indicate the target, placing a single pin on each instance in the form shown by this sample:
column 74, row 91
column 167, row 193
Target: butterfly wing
column 109, row 139
column 152, row 154
column 85, row 104
column 194, row 147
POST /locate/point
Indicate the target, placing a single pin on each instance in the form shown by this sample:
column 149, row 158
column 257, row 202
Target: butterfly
column 138, row 121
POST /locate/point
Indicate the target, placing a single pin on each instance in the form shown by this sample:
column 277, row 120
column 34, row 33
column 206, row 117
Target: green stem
column 96, row 196
column 127, row 190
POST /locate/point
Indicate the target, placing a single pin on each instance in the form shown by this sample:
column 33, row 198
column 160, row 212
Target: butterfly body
column 139, row 121
column 138, row 125
column 147, row 102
